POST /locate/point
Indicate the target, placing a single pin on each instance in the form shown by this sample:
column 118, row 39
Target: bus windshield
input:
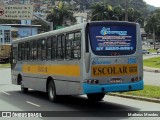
column 112, row 39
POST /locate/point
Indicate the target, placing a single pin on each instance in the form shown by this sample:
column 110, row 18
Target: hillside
column 139, row 5
column 151, row 8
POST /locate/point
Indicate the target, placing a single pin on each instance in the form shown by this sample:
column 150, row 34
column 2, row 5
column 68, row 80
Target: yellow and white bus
column 89, row 58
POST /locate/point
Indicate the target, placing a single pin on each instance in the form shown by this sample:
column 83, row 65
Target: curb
column 136, row 97
column 149, row 70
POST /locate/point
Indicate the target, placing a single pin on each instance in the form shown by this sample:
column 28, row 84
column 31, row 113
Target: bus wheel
column 52, row 92
column 23, row 89
column 96, row 96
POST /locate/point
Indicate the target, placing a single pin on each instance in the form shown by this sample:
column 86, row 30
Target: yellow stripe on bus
column 65, row 70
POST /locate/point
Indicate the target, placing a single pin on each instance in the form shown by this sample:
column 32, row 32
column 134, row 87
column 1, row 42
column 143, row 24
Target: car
column 145, row 52
column 158, row 51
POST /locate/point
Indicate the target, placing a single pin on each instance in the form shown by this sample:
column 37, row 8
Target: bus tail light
column 136, row 79
column 92, row 81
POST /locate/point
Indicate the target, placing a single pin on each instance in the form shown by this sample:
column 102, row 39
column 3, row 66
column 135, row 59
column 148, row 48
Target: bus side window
column 31, row 50
column 26, row 51
column 77, row 46
column 34, row 50
column 19, row 52
column 14, row 54
column 39, row 49
column 69, row 40
column 43, row 49
column 54, row 48
column 49, row 48
column 23, row 51
column 60, row 52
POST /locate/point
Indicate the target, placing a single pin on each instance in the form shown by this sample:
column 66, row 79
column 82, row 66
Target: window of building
column 7, row 37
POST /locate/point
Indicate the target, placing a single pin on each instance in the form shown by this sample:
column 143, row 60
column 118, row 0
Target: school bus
column 92, row 58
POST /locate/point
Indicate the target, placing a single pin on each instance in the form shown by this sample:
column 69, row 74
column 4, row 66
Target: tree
column 60, row 14
column 152, row 23
column 101, row 12
column 135, row 16
column 106, row 12
column 119, row 13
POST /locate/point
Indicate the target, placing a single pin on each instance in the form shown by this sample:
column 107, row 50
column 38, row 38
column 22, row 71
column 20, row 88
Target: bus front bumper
column 92, row 88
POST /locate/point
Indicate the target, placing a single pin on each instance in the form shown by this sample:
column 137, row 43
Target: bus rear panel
column 114, row 57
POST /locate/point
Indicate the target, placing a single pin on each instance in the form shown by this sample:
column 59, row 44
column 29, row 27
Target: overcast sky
column 155, row 3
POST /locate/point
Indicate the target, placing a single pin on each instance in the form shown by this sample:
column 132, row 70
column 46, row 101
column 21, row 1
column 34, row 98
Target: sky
column 155, row 3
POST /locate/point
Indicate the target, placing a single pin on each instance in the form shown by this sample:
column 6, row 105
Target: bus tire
column 52, row 92
column 96, row 96
column 23, row 89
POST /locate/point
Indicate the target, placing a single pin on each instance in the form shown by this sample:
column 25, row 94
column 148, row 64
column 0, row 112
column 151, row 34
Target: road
column 151, row 55
column 11, row 99
column 151, row 78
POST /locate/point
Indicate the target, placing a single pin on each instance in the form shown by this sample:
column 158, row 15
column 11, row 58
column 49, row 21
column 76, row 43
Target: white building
column 80, row 17
column 5, row 35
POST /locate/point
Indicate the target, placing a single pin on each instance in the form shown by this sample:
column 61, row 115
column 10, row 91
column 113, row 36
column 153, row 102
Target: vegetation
column 107, row 12
column 149, row 91
column 5, row 65
column 153, row 25
column 60, row 14
column 152, row 62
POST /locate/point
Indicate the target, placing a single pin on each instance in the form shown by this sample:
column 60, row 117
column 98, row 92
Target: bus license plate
column 114, row 70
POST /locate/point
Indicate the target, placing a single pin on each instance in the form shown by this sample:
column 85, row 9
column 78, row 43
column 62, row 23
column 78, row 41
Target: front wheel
column 96, row 96
column 52, row 92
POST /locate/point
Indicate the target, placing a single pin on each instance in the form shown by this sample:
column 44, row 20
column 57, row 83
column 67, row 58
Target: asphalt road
column 11, row 99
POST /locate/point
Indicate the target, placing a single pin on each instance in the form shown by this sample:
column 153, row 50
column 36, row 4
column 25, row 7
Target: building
column 80, row 17
column 20, row 31
column 5, row 35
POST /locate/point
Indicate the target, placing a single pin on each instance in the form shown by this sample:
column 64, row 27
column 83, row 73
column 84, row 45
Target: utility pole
column 126, row 10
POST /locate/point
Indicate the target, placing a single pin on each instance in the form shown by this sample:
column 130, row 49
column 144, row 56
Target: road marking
column 6, row 93
column 33, row 104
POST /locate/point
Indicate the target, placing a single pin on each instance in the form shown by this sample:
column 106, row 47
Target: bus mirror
column 87, row 61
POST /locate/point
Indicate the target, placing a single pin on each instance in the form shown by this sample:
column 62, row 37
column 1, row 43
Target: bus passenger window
column 34, row 50
column 54, row 46
column 49, row 48
column 60, row 54
column 23, row 51
column 26, row 51
column 77, row 46
column 43, row 49
column 19, row 52
column 69, row 51
column 39, row 49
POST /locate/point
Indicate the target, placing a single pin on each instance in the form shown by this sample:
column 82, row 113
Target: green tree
column 152, row 23
column 135, row 16
column 60, row 14
column 101, row 12
column 119, row 13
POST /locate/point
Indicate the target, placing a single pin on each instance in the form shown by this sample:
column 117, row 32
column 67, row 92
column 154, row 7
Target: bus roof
column 51, row 33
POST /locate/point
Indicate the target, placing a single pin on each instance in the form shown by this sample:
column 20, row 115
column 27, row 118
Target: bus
column 92, row 58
